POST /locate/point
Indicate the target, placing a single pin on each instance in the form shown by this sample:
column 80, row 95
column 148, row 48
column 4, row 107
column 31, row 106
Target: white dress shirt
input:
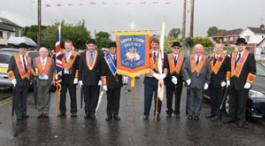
column 67, row 57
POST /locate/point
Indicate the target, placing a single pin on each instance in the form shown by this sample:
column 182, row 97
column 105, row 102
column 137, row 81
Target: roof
column 263, row 40
column 257, row 30
column 8, row 22
column 234, row 32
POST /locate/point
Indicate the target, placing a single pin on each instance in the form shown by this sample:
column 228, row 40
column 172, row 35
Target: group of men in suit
column 199, row 73
column 93, row 69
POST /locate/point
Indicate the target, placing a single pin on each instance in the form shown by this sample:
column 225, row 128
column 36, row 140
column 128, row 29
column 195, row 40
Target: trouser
column 216, row 100
column 150, row 89
column 44, row 97
column 113, row 101
column 170, row 91
column 238, row 103
column 20, row 101
column 194, row 101
column 67, row 85
column 91, row 95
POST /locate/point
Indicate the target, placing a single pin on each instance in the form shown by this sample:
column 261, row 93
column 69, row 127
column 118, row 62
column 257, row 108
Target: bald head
column 43, row 52
column 198, row 49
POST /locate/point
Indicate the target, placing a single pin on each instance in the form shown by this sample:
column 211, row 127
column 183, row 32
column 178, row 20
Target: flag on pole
column 160, row 90
column 58, row 56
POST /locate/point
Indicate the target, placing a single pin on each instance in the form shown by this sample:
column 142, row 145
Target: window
column 247, row 38
column 1, row 34
column 231, row 38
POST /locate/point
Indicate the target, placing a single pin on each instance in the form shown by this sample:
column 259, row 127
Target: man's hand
column 223, row 84
column 156, row 75
column 105, row 88
column 247, row 85
column 53, row 82
column 205, row 87
column 75, row 81
column 227, row 83
column 80, row 83
column 14, row 82
column 174, row 80
column 188, row 82
column 99, row 82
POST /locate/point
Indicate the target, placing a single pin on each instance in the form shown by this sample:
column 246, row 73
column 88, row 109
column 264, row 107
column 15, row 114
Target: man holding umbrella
column 19, row 72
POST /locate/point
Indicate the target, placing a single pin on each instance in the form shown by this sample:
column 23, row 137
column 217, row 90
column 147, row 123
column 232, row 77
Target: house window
column 247, row 38
column 225, row 39
column 231, row 38
column 1, row 34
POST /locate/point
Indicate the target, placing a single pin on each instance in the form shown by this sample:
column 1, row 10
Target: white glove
column 227, row 83
column 99, row 82
column 163, row 76
column 14, row 82
column 223, row 84
column 75, row 81
column 174, row 80
column 125, row 80
column 247, row 85
column 157, row 76
column 188, row 82
column 205, row 87
column 105, row 88
column 80, row 83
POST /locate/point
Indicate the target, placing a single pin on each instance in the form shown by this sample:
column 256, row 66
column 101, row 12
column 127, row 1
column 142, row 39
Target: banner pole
column 133, row 95
column 156, row 116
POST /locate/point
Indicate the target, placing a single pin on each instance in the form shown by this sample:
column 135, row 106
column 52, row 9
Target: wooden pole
column 133, row 95
column 192, row 18
column 156, row 116
column 184, row 21
column 39, row 24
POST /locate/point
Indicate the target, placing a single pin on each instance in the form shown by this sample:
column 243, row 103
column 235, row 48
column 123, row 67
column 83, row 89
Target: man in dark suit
column 151, row 80
column 174, row 79
column 114, row 84
column 70, row 63
column 196, row 72
column 242, row 76
column 91, row 70
column 19, row 72
column 219, row 63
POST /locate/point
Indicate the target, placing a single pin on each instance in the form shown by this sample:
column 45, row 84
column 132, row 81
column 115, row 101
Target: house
column 227, row 36
column 253, row 35
column 260, row 50
column 7, row 29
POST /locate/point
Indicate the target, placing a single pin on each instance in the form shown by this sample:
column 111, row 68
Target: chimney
column 261, row 26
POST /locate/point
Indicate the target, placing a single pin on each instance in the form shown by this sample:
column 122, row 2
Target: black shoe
column 169, row 115
column 117, row 118
column 196, row 118
column 73, row 115
column 62, row 115
column 25, row 116
column 210, row 116
column 229, row 121
column 146, row 117
column 92, row 116
column 215, row 118
column 241, row 124
column 87, row 116
column 108, row 118
column 190, row 117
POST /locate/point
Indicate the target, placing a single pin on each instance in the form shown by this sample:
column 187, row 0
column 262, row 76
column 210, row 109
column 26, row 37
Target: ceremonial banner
column 133, row 52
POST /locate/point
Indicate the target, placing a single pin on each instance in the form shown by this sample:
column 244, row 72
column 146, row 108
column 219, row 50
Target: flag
column 58, row 56
column 160, row 90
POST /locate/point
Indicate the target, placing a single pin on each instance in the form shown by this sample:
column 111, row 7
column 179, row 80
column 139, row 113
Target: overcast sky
column 120, row 14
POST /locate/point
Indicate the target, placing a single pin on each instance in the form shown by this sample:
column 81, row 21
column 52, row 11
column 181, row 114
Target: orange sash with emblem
column 47, row 66
column 237, row 71
column 193, row 63
column 70, row 62
column 215, row 68
column 91, row 65
column 20, row 67
column 175, row 68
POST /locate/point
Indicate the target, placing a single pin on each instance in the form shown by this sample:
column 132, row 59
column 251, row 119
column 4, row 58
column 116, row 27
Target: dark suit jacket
column 13, row 67
column 112, row 82
column 216, row 79
column 74, row 68
column 249, row 67
column 91, row 77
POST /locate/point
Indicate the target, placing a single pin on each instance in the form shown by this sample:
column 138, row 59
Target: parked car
column 5, row 83
column 256, row 100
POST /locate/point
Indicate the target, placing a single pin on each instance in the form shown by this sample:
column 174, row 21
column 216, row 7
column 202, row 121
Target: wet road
column 78, row 131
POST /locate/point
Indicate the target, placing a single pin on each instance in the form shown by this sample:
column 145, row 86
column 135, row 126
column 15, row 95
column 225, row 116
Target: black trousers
column 216, row 99
column 20, row 101
column 113, row 101
column 91, row 94
column 150, row 89
column 68, row 85
column 238, row 103
column 170, row 91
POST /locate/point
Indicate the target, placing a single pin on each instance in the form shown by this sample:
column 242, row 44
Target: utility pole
column 192, row 18
column 39, row 24
column 184, row 21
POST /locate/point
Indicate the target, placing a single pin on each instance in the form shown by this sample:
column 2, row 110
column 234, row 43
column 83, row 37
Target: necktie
column 154, row 57
column 214, row 60
column 43, row 63
column 24, row 64
column 238, row 58
column 175, row 60
column 91, row 58
column 198, row 60
column 114, row 58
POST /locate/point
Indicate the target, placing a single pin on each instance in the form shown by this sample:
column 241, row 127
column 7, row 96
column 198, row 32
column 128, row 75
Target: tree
column 103, row 39
column 31, row 32
column 175, row 32
column 212, row 31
